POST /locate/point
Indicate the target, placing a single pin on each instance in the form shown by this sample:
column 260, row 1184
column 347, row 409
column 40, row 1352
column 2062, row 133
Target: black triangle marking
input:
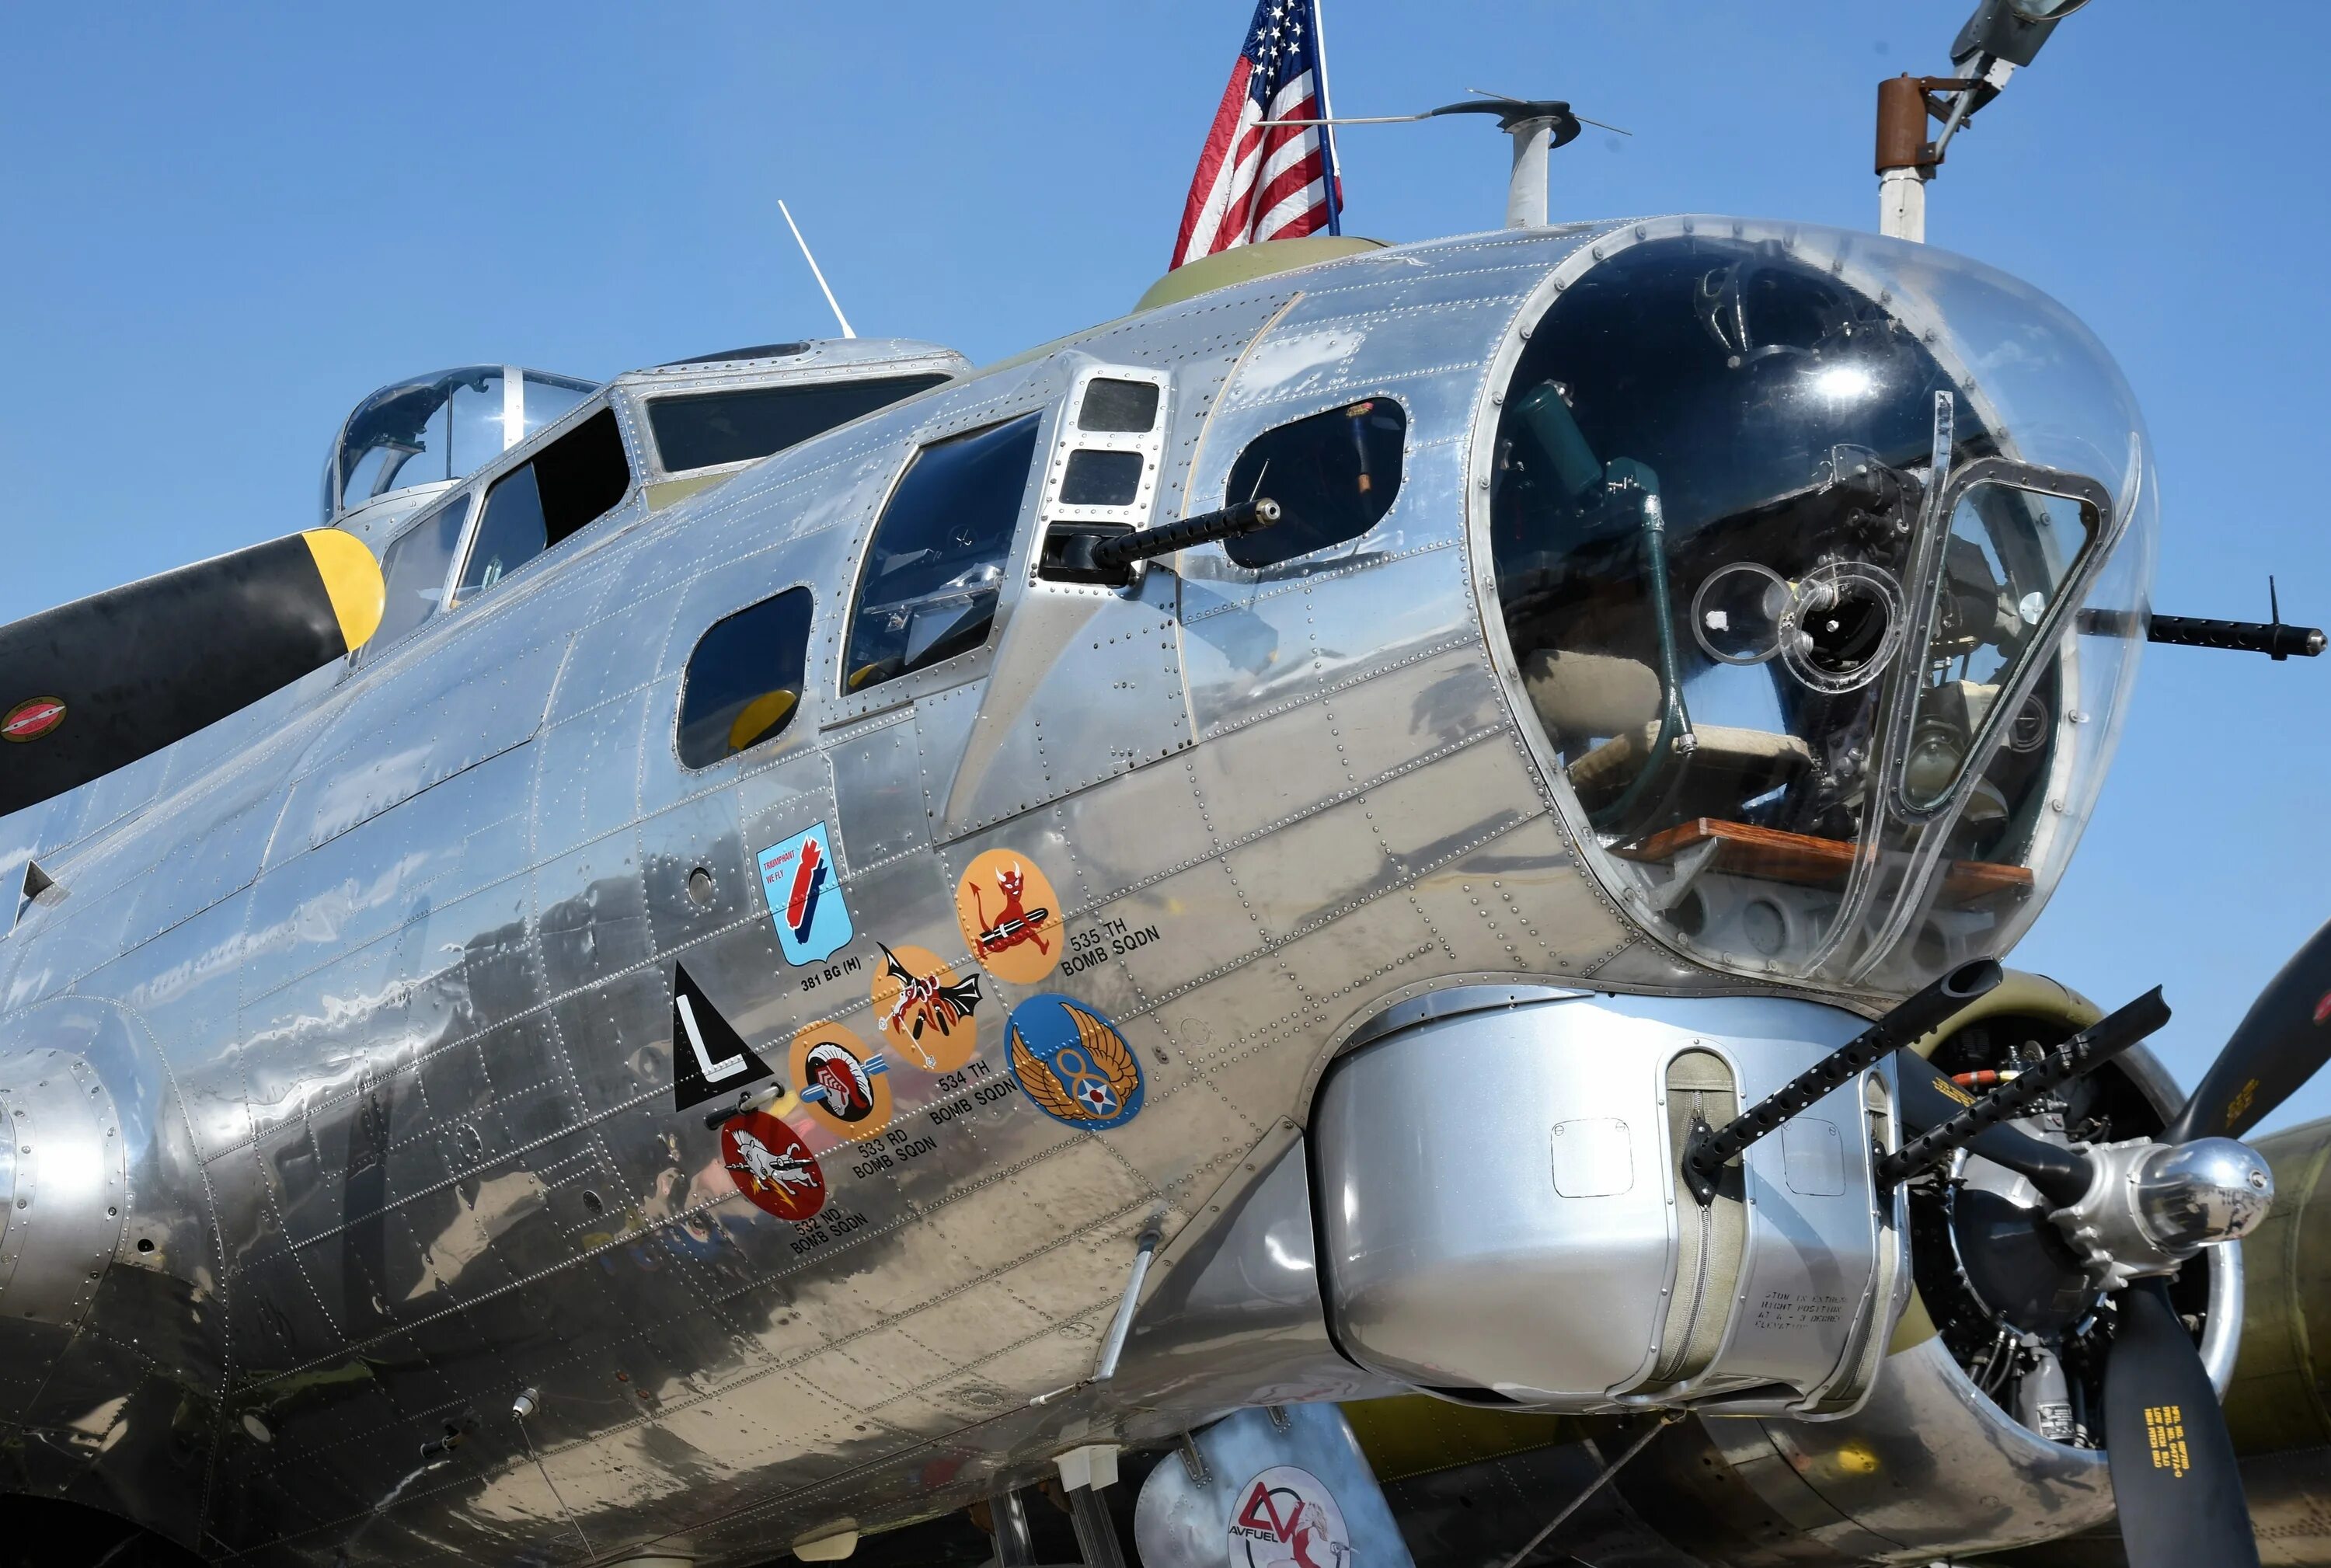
column 711, row 1059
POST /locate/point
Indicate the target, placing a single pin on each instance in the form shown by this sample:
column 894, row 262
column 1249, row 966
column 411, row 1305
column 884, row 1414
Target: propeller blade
column 2277, row 1045
column 1929, row 1099
column 94, row 685
column 2176, row 1486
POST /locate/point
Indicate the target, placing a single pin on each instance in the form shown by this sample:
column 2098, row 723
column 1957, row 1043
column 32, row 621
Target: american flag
column 1256, row 183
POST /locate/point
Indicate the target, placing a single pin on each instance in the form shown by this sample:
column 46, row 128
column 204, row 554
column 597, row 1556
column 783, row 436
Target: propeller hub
column 2150, row 1206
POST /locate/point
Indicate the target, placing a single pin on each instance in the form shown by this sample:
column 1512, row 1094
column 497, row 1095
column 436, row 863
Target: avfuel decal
column 1285, row 1517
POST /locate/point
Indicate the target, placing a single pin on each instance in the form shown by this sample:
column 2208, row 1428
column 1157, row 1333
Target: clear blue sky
column 224, row 226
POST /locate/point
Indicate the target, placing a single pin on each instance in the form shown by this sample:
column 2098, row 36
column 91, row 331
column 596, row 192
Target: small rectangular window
column 1127, row 407
column 1334, row 476
column 936, row 561
column 566, row 487
column 744, row 680
column 1101, row 479
column 707, row 429
column 413, row 570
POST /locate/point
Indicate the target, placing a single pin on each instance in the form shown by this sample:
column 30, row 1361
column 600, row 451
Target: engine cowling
column 1971, row 1442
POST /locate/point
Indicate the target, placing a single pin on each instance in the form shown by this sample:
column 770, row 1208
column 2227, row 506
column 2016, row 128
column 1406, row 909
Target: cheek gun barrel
column 1709, row 1149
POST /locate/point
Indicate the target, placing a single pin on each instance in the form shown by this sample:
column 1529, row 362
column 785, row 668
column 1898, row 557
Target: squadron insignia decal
column 804, row 897
column 33, row 718
column 846, row 1089
column 1011, row 917
column 772, row 1166
column 924, row 1010
column 1073, row 1063
column 1287, row 1518
column 708, row 1056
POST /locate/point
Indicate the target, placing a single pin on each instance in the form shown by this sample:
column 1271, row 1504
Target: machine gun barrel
column 1104, row 553
column 2278, row 640
column 2085, row 1051
column 1203, row 529
column 1708, row 1149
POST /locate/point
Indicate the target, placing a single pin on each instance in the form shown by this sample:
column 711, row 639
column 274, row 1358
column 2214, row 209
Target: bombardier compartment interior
column 1785, row 677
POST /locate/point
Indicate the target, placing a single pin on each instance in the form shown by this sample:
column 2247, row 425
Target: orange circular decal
column 845, row 1088
column 33, row 718
column 925, row 1014
column 1011, row 917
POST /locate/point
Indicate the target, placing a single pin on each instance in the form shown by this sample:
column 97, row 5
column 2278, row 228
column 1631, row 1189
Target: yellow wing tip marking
column 352, row 581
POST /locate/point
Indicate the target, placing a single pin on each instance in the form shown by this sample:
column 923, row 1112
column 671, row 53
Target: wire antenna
column 832, row 303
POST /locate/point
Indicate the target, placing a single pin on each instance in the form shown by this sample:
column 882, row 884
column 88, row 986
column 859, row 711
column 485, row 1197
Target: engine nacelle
column 1502, row 1217
column 1934, row 1462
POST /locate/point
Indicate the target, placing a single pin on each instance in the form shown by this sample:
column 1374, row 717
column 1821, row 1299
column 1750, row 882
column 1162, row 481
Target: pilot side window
column 707, row 429
column 936, row 559
column 744, row 681
column 564, row 489
column 1334, row 476
column 413, row 570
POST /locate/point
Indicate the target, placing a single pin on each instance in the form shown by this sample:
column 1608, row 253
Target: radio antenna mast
column 823, row 288
column 1537, row 126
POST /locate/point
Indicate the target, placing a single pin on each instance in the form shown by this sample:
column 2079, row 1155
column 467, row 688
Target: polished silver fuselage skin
column 379, row 978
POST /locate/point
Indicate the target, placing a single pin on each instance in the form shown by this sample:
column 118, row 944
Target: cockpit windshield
column 439, row 427
column 1788, row 550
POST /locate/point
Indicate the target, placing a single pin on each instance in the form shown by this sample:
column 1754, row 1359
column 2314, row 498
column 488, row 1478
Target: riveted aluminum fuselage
column 387, row 963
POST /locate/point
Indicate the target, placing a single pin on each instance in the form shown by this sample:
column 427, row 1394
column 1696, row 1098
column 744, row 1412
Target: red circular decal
column 772, row 1166
column 33, row 718
column 2323, row 1008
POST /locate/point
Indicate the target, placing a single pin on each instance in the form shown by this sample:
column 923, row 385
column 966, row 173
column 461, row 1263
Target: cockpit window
column 439, row 427
column 416, row 433
column 936, row 563
column 707, row 429
column 1334, row 476
column 744, row 680
column 537, row 506
column 414, row 568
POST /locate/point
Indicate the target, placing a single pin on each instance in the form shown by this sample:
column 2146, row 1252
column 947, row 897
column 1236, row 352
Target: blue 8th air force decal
column 1073, row 1063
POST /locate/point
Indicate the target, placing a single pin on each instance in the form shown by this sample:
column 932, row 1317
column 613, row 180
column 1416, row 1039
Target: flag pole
column 1327, row 113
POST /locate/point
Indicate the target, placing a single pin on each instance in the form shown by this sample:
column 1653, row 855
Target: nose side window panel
column 744, row 680
column 1334, row 475
column 413, row 571
column 936, row 563
column 566, row 487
